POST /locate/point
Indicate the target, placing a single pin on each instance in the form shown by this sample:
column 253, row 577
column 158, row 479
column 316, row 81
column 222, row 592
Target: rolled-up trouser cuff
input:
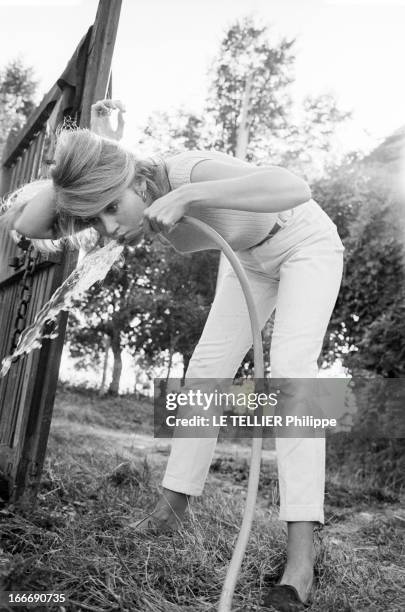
column 293, row 514
column 180, row 486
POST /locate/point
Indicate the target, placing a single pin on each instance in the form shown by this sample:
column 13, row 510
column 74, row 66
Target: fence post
column 100, row 58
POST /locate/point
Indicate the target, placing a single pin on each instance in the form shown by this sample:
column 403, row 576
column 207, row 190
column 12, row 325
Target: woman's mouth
column 129, row 238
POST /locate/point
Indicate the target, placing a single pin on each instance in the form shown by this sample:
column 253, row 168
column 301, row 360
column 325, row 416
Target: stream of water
column 92, row 268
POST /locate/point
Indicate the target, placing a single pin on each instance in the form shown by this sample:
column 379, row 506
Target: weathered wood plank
column 101, row 51
column 34, row 124
column 37, row 396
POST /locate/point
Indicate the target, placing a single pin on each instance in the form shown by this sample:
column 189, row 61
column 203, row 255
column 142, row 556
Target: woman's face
column 122, row 219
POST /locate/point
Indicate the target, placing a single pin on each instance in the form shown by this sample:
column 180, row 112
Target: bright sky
column 354, row 48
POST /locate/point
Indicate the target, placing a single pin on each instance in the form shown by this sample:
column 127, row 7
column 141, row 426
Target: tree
column 307, row 146
column 367, row 329
column 168, row 133
column 247, row 61
column 250, row 85
column 252, row 107
column 108, row 309
column 188, row 286
column 249, row 100
column 154, row 301
column 17, row 92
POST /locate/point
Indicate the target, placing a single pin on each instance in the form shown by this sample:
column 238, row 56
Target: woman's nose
column 111, row 226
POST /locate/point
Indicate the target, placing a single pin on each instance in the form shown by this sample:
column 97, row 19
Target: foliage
column 168, row 133
column 253, row 69
column 368, row 324
column 246, row 56
column 152, row 301
column 171, row 307
column 17, row 91
column 308, row 145
column 174, row 311
column 251, row 65
column 108, row 309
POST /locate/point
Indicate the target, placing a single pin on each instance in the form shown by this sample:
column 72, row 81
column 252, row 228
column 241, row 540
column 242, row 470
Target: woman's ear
column 140, row 185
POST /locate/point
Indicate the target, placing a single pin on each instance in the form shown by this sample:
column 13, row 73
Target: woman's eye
column 111, row 208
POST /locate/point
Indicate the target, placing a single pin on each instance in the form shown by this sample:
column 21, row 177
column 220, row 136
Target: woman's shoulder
column 180, row 166
column 194, row 154
column 185, row 156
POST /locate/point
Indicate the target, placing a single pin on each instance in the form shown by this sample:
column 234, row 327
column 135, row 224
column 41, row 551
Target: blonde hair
column 88, row 173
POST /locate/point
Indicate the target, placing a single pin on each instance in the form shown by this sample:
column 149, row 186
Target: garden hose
column 254, row 471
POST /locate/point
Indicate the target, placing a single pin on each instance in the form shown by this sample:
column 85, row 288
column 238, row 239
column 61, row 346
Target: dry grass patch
column 78, row 541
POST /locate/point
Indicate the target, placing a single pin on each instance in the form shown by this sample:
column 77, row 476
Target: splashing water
column 92, row 268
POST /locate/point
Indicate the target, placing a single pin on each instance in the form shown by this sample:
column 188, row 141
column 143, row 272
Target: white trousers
column 298, row 272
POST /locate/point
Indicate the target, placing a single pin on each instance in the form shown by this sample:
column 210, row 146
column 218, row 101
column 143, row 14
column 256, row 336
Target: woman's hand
column 100, row 119
column 163, row 214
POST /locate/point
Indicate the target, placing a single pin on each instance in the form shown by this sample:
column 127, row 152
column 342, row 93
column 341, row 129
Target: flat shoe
column 284, row 598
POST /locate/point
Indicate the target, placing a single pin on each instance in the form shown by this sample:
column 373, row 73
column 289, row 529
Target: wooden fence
column 27, row 278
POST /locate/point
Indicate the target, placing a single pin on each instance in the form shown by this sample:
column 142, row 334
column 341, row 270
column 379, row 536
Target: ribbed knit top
column 241, row 229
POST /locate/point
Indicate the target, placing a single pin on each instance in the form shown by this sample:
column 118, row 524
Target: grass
column 96, row 480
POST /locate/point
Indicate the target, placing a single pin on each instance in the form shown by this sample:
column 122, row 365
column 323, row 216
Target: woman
column 293, row 257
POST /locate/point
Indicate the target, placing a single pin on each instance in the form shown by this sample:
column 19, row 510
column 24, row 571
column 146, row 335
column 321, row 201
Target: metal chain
column 25, row 292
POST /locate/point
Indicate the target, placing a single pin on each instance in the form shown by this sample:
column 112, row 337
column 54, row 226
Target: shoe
column 284, row 598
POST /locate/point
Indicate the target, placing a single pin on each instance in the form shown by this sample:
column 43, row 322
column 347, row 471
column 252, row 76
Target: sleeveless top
column 241, row 229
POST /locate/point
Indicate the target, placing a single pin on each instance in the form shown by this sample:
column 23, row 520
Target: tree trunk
column 169, row 366
column 243, row 130
column 117, row 368
column 107, row 341
column 186, row 361
column 240, row 152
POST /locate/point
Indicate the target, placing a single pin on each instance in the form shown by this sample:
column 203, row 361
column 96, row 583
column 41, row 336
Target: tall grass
column 78, row 540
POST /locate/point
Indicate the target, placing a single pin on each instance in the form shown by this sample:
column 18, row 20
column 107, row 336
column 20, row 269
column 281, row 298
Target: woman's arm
column 219, row 184
column 37, row 217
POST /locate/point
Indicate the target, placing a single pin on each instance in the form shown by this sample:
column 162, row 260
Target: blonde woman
column 290, row 250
